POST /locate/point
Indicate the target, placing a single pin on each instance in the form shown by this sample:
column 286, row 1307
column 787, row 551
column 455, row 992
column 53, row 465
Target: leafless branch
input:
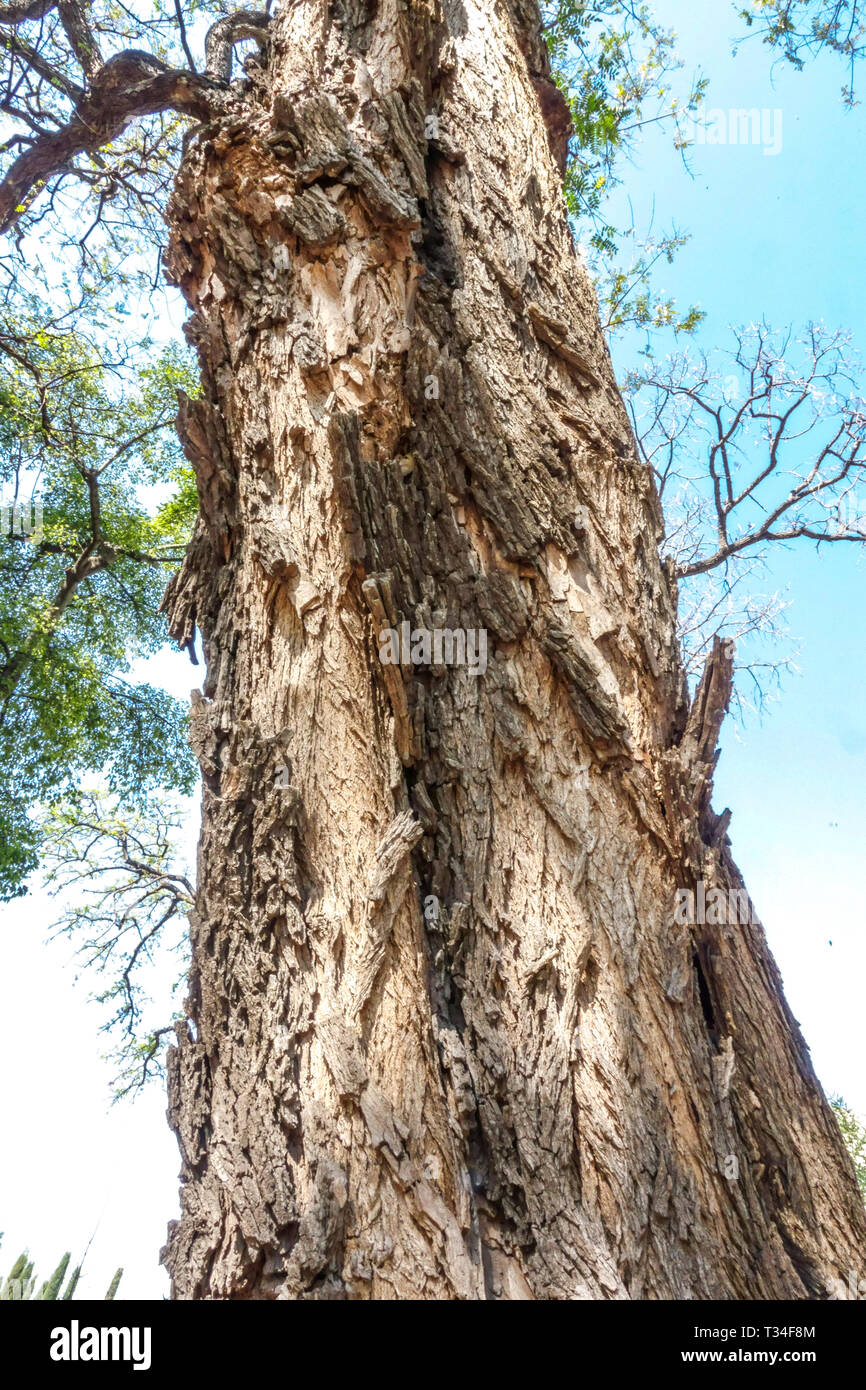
column 125, row 892
column 762, row 446
column 770, row 452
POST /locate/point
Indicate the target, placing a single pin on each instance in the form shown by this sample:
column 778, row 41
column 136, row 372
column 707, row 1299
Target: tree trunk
column 448, row 1036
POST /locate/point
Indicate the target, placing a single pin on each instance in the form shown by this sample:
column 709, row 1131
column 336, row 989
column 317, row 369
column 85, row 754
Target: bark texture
column 446, row 1037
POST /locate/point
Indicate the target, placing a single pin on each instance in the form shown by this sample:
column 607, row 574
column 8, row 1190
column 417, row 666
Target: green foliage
column 854, row 1135
column 801, row 29
column 617, row 68
column 90, row 439
column 615, row 64
column 20, row 1283
column 626, row 297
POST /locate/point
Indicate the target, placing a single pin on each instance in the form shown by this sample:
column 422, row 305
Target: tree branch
column 130, row 84
column 80, row 36
column 221, row 38
column 183, row 36
column 25, row 9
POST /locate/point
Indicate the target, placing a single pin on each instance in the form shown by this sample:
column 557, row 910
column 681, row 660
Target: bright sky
column 777, row 236
column 781, row 236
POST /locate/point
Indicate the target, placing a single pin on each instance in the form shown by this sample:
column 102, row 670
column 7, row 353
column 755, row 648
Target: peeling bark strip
column 449, row 1041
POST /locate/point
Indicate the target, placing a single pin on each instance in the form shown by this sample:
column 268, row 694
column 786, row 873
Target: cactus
column 20, row 1283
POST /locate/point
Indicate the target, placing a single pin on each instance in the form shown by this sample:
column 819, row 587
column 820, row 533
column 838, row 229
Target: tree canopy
column 87, row 444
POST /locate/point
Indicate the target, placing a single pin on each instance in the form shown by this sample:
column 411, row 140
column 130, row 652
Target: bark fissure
column 450, row 1039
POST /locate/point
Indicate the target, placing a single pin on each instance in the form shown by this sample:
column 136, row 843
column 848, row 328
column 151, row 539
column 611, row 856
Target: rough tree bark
column 447, row 1038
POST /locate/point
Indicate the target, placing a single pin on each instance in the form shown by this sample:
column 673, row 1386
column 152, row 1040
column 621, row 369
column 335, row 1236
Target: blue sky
column 779, row 237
